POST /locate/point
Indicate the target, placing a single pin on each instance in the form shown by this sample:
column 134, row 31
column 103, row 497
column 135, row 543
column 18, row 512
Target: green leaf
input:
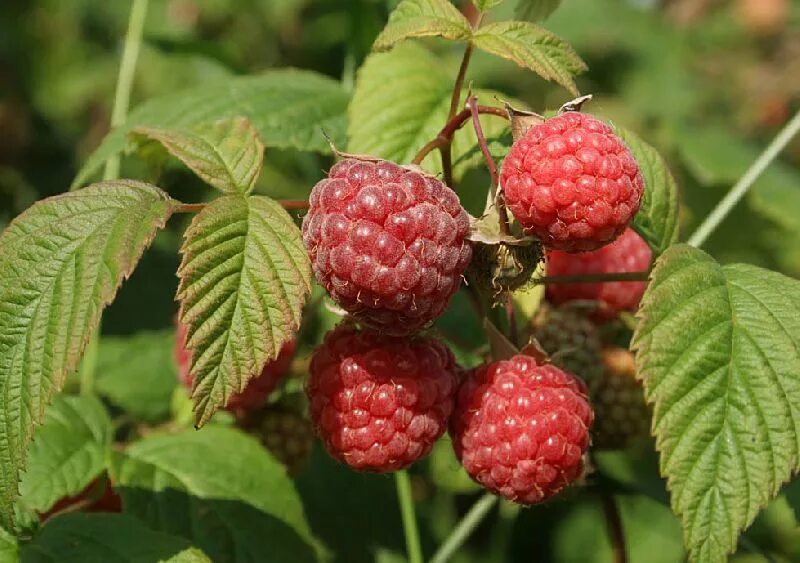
column 61, row 262
column 137, row 373
column 106, row 538
column 484, row 5
column 216, row 487
column 401, row 102
column 290, row 108
column 69, row 451
column 534, row 48
column 9, row 549
column 535, row 10
column 423, row 18
column 244, row 278
column 657, row 221
column 718, row 349
column 227, row 153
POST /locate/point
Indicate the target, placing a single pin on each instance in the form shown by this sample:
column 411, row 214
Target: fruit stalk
column 413, row 548
column 464, row 528
column 591, row 278
column 615, row 531
column 445, row 136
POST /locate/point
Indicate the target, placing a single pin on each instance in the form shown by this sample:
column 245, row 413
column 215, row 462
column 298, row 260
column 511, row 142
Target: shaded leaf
column 244, row 278
column 61, row 262
column 718, row 350
column 484, row 5
column 106, row 538
column 216, row 487
column 290, row 108
column 137, row 373
column 9, row 550
column 657, row 220
column 423, row 18
column 68, row 452
column 535, row 10
column 534, row 48
column 227, row 153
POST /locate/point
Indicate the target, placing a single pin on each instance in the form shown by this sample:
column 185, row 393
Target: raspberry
column 521, row 429
column 572, row 182
column 288, row 436
column 379, row 402
column 622, row 415
column 571, row 340
column 629, row 253
column 258, row 388
column 387, row 243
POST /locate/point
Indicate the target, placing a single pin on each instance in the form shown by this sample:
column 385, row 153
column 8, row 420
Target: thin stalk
column 127, row 69
column 616, row 533
column 738, row 191
column 122, row 96
column 464, row 528
column 591, row 278
column 413, row 547
column 453, row 124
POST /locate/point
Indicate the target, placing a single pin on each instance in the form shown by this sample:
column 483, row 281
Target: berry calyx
column 572, row 182
column 570, row 339
column 521, row 429
column 258, row 388
column 379, row 402
column 622, row 415
column 629, row 253
column 387, row 243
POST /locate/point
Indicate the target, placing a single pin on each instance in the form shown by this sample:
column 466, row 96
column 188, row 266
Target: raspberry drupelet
column 521, row 429
column 387, row 243
column 379, row 403
column 572, row 182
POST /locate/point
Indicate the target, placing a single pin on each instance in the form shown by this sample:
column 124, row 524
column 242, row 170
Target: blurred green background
column 708, row 82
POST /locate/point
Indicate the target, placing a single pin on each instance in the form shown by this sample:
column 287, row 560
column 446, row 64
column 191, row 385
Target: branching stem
column 591, row 278
column 445, row 136
column 464, row 528
column 616, row 532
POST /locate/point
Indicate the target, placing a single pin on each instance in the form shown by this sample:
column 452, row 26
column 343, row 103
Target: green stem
column 738, row 191
column 464, row 528
column 409, row 518
column 127, row 69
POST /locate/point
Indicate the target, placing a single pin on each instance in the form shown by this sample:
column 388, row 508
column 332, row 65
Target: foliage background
column 697, row 78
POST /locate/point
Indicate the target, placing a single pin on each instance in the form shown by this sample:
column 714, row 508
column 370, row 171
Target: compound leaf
column 423, row 18
column 535, row 10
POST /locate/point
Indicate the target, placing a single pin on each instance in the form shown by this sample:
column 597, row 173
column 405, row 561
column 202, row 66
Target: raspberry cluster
column 572, row 341
column 288, row 436
column 387, row 243
column 629, row 253
column 379, row 402
column 572, row 183
column 520, row 429
column 258, row 388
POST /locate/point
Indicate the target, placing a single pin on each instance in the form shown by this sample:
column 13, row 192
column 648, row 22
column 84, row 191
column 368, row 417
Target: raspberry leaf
column 61, row 263
column 77, row 538
column 534, row 48
column 227, row 153
column 718, row 350
column 535, row 10
column 657, row 219
column 243, row 493
column 484, row 5
column 69, row 451
column 289, row 108
column 400, row 102
column 423, row 18
column 244, row 278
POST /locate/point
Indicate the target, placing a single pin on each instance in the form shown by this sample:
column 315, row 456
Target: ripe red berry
column 521, row 429
column 387, row 243
column 572, row 182
column 629, row 253
column 379, row 402
column 258, row 388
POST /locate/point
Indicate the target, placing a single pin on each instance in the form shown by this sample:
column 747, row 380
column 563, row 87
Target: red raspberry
column 387, row 243
column 258, row 388
column 379, row 403
column 521, row 429
column 629, row 253
column 572, row 182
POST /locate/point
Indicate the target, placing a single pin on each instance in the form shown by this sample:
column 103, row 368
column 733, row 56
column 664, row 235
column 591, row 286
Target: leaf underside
column 718, row 350
column 244, row 278
column 61, row 262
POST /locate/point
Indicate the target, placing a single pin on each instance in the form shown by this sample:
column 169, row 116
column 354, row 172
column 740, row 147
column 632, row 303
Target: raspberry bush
column 484, row 277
